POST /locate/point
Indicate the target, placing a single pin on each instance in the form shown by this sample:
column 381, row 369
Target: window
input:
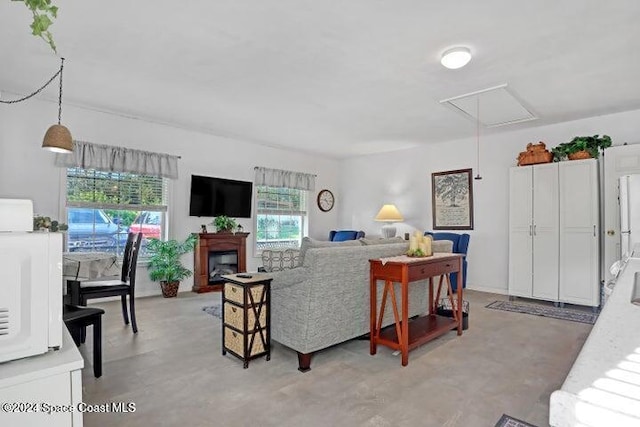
column 103, row 207
column 281, row 217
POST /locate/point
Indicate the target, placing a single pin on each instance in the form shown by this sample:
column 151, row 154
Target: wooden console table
column 407, row 335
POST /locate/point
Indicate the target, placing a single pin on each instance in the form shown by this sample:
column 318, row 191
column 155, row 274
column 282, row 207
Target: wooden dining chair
column 82, row 291
column 77, row 319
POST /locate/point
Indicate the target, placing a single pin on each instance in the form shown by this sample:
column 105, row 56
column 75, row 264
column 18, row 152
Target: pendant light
column 478, row 177
column 58, row 138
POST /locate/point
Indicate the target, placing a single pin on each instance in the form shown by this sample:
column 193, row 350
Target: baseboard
column 500, row 291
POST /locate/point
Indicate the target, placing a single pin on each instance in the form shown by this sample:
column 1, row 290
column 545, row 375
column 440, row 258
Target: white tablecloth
column 90, row 265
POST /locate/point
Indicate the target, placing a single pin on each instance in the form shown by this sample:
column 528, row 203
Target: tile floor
column 174, row 372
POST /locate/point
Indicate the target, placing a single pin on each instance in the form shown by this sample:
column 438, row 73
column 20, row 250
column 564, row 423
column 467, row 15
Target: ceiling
column 334, row 78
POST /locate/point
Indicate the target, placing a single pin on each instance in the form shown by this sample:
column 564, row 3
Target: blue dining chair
column 460, row 246
column 342, row 235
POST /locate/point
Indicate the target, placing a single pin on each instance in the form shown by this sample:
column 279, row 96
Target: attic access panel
column 496, row 106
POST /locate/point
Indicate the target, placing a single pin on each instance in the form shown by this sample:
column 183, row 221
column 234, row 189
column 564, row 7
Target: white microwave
column 30, row 284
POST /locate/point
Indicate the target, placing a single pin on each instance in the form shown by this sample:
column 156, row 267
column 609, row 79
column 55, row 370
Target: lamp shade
column 389, row 213
column 58, row 139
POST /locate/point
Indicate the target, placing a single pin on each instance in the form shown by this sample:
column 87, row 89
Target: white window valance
column 284, row 179
column 110, row 158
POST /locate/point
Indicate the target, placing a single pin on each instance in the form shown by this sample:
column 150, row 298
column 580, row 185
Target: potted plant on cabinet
column 165, row 265
column 581, row 147
column 224, row 224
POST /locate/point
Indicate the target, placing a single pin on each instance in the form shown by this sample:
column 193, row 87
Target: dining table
column 89, row 265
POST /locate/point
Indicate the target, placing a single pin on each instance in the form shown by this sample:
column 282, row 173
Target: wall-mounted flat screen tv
column 217, row 196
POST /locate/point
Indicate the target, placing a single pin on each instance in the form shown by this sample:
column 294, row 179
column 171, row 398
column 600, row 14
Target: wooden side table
column 246, row 316
column 406, row 335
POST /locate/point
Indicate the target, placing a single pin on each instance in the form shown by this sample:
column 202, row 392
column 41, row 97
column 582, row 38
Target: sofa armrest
column 286, row 278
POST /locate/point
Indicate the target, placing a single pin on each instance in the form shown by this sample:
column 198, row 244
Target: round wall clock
column 325, row 200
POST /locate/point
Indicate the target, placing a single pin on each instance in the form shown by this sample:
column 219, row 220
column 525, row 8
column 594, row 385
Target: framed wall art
column 452, row 200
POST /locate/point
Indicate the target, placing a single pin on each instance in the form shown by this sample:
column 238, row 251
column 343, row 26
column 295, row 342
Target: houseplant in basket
column 581, row 147
column 224, row 224
column 164, row 263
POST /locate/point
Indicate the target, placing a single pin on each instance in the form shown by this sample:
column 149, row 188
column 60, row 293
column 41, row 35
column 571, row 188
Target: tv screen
column 218, row 196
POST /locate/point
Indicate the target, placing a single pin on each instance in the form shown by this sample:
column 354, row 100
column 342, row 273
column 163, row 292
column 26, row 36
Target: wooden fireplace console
column 213, row 242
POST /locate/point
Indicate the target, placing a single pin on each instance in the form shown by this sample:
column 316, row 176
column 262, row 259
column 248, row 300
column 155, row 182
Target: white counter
column 53, row 378
column 603, row 386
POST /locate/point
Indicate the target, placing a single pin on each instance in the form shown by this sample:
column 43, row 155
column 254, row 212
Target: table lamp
column 389, row 214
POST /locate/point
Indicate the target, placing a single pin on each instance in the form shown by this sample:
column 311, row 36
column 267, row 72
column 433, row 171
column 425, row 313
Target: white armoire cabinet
column 579, row 233
column 533, row 236
column 553, row 232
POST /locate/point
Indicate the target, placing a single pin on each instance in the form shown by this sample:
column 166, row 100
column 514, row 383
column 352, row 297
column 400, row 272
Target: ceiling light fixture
column 58, row 138
column 456, row 57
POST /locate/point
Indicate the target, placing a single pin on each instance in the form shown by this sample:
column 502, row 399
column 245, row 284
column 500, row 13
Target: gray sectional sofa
column 325, row 300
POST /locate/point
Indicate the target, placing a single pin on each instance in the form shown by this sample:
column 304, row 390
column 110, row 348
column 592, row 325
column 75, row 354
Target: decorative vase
column 579, row 155
column 169, row 289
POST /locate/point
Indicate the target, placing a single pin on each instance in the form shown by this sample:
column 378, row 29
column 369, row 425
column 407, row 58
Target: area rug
column 507, row 421
column 214, row 310
column 570, row 314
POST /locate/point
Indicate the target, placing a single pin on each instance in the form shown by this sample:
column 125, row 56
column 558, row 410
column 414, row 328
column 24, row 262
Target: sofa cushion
column 383, row 241
column 442, row 246
column 308, row 242
column 436, row 245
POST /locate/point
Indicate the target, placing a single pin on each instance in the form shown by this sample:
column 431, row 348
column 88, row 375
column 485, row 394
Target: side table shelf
column 246, row 317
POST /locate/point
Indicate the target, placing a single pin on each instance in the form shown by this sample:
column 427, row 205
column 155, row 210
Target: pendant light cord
column 478, row 136
column 60, row 93
column 477, row 126
column 58, row 73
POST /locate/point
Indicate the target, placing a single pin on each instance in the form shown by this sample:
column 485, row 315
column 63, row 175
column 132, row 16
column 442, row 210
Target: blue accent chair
column 460, row 246
column 342, row 235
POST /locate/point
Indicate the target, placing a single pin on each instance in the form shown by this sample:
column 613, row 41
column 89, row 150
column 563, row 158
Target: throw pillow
column 308, row 243
column 280, row 259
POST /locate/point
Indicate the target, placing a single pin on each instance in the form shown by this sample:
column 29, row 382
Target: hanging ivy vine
column 43, row 15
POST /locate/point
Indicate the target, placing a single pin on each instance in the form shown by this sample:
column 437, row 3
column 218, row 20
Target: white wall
column 364, row 183
column 404, row 178
column 27, row 171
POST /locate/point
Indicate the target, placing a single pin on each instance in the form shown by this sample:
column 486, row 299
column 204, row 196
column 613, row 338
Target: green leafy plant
column 591, row 144
column 43, row 15
column 224, row 223
column 46, row 223
column 164, row 261
column 415, row 253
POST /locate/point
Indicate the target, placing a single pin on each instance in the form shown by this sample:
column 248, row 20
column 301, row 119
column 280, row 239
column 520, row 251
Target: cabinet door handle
column 530, row 230
column 534, row 230
column 594, row 231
